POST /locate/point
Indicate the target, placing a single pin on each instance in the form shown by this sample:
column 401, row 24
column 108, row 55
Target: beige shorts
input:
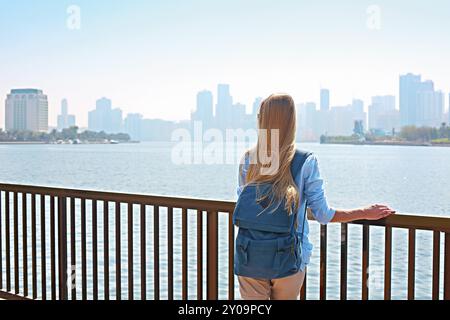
column 277, row 289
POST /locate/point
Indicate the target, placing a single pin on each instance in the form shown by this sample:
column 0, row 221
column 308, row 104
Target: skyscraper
column 104, row 118
column 358, row 113
column 342, row 121
column 65, row 120
column 256, row 106
column 409, row 88
column 324, row 100
column 383, row 114
column 431, row 106
column 133, row 125
column 307, row 128
column 26, row 110
column 224, row 106
column 238, row 116
column 204, row 110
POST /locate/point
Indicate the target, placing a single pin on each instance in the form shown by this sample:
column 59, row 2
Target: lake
column 412, row 180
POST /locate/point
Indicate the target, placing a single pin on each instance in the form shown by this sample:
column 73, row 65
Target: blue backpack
column 267, row 244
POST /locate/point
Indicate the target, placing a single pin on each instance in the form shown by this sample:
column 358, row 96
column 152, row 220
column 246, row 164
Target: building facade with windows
column 26, row 110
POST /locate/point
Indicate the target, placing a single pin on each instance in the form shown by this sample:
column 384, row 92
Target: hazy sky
column 152, row 57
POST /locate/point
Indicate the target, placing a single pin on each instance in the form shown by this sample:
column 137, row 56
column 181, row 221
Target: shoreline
column 391, row 143
column 24, row 143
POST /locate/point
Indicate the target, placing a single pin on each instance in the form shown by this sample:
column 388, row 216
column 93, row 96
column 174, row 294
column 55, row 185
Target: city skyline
column 139, row 53
column 384, row 113
column 54, row 111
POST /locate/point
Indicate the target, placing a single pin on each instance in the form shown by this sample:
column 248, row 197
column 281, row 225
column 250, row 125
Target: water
column 413, row 180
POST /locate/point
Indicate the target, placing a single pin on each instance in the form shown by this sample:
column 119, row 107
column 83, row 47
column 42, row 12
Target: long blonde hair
column 277, row 112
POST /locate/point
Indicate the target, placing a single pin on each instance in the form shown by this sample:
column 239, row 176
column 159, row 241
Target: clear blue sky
column 153, row 56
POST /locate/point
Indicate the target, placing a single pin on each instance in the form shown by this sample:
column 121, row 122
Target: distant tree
column 70, row 133
column 65, row 134
column 419, row 134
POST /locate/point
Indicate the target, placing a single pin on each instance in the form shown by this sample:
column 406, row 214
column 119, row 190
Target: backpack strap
column 298, row 162
column 245, row 162
column 296, row 166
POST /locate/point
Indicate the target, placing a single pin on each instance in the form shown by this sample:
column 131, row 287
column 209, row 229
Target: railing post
column 1, row 247
column 344, row 247
column 184, row 254
column 447, row 267
column 199, row 255
column 436, row 263
column 212, row 255
column 16, row 242
column 411, row 263
column 387, row 262
column 323, row 262
column 156, row 253
column 230, row 256
column 62, row 245
column 8, row 241
column 365, row 263
column 170, row 253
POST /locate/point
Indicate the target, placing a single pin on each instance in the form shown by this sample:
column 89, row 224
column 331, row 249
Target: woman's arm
column 375, row 212
column 317, row 201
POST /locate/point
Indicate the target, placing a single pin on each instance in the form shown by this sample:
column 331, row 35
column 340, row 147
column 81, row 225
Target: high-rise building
column 324, row 100
column 420, row 104
column 224, row 106
column 430, row 107
column 383, row 114
column 104, row 118
column 26, row 110
column 116, row 124
column 133, row 126
column 357, row 106
column 238, row 116
column 409, row 87
column 307, row 128
column 65, row 120
column 342, row 121
column 156, row 130
column 204, row 110
column 358, row 113
column 256, row 106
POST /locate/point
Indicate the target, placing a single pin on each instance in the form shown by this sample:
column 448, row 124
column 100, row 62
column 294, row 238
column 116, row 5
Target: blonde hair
column 277, row 112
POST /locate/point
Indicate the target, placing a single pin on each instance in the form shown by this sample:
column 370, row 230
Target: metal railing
column 44, row 230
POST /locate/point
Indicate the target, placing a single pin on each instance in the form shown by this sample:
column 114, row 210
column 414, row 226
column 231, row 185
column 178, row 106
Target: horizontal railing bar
column 11, row 296
column 162, row 201
column 405, row 221
column 397, row 221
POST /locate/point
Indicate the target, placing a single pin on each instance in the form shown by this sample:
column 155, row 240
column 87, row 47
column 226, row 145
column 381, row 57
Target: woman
column 276, row 184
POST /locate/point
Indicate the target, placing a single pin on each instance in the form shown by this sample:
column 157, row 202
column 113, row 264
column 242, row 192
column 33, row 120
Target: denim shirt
column 311, row 185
